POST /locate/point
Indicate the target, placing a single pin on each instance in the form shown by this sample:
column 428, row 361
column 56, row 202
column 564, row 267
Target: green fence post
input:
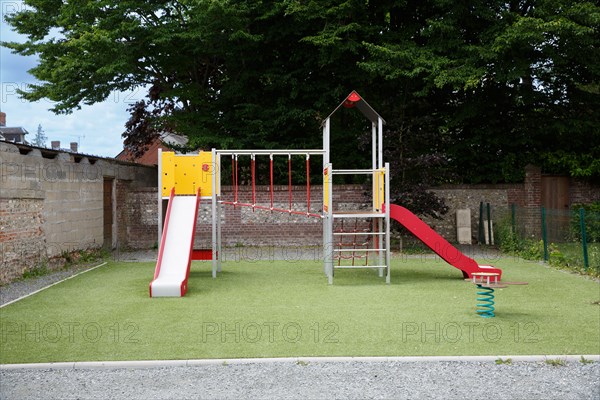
column 481, row 234
column 586, row 260
column 544, row 234
column 513, row 217
column 489, row 219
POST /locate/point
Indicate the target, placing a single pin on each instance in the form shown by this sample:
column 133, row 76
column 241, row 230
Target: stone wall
column 583, row 192
column 51, row 203
column 242, row 225
column 469, row 197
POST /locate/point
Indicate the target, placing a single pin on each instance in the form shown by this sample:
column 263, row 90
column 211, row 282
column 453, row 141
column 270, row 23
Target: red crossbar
column 253, row 172
column 234, row 177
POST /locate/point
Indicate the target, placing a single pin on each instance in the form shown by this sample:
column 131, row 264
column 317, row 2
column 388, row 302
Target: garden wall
column 241, row 226
column 54, row 202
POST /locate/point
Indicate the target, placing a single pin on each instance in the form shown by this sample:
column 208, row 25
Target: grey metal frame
column 381, row 219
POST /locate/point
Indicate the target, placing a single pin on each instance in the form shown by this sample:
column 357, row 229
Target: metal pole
column 544, row 234
column 586, row 261
column 373, row 145
column 374, row 159
column 513, row 218
column 387, row 222
column 481, row 227
column 325, row 213
column 214, row 238
column 219, row 237
column 489, row 220
column 160, row 200
column 380, row 140
column 326, row 130
column 329, row 220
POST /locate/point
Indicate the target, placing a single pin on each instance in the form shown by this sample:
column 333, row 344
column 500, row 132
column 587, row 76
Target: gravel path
column 24, row 287
column 312, row 380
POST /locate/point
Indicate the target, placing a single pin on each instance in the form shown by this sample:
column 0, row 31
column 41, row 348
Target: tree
column 472, row 91
column 40, row 137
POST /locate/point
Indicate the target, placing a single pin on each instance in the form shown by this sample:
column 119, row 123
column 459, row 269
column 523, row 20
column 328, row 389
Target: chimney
column 74, row 147
column 55, row 144
column 2, row 119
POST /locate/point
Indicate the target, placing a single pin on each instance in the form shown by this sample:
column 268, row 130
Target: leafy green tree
column 472, row 90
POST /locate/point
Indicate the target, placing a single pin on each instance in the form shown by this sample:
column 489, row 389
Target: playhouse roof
column 355, row 100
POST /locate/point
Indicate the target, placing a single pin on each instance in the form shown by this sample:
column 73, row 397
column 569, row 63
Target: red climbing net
column 236, row 185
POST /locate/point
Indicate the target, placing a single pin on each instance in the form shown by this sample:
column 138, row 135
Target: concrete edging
column 298, row 360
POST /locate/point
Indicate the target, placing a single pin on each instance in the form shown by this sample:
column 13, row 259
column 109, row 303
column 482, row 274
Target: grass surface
column 279, row 309
column 572, row 254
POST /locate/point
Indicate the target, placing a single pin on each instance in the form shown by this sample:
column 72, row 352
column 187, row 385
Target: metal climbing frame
column 379, row 217
column 202, row 173
column 380, row 211
column 217, row 202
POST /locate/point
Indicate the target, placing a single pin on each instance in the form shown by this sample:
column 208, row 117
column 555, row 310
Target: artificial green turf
column 285, row 309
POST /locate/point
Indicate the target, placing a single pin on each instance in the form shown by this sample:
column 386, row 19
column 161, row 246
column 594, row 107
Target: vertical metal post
column 380, row 166
column 326, row 127
column 381, row 241
column 380, row 142
column 326, row 132
column 513, row 218
column 544, row 234
column 374, row 161
column 481, row 227
column 215, row 216
column 586, row 261
column 160, row 200
column 489, row 220
column 219, row 236
column 387, row 222
column 329, row 219
column 374, row 145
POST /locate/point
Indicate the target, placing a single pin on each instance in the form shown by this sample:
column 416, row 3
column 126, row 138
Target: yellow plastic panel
column 378, row 195
column 187, row 173
column 206, row 170
column 326, row 178
column 168, row 172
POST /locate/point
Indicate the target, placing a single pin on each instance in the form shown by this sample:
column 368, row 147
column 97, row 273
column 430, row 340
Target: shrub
column 592, row 221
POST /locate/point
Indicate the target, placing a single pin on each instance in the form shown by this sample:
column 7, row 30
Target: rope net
column 235, row 179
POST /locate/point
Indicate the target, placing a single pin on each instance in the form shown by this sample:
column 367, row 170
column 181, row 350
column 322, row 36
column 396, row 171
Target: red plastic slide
column 438, row 244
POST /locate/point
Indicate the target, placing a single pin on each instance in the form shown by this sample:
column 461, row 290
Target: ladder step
column 357, row 233
column 340, row 250
column 360, row 215
column 358, row 266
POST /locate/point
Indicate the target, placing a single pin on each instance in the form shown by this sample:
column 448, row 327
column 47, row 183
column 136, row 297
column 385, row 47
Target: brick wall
column 51, row 202
column 242, row 226
column 22, row 241
column 583, row 192
column 141, row 218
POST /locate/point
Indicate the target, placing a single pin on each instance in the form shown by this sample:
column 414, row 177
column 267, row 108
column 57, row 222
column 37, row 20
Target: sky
column 97, row 128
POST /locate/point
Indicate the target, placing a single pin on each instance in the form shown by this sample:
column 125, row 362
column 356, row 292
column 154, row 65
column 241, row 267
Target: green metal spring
column 485, row 299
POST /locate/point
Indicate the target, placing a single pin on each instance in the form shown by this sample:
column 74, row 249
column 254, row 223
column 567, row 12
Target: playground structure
column 186, row 180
